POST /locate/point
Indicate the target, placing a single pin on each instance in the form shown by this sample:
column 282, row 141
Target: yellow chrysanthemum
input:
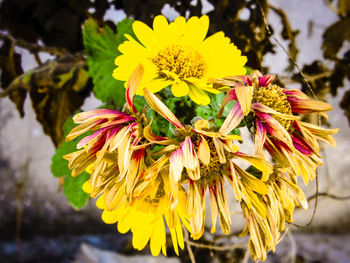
column 147, row 215
column 179, row 55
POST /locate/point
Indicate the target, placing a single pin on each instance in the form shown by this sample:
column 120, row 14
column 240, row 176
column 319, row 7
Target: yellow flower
column 145, row 216
column 179, row 55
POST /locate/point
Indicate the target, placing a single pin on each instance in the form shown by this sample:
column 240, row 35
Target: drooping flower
column 115, row 142
column 282, row 197
column 203, row 158
column 179, row 55
column 116, row 155
column 276, row 121
column 147, row 217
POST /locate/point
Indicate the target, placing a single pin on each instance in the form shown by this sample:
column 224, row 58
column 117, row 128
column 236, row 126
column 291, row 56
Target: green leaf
column 101, row 47
column 59, row 168
column 211, row 110
column 73, row 190
column 248, row 70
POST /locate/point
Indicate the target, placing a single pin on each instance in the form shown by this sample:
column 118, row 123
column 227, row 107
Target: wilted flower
column 204, row 157
column 113, row 145
column 179, row 55
column 118, row 159
column 277, row 126
column 280, row 200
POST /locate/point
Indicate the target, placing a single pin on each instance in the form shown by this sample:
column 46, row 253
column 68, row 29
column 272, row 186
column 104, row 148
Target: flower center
column 179, row 60
column 273, row 97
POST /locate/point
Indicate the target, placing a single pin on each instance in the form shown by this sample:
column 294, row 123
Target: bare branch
column 34, row 48
column 188, row 246
column 332, row 196
column 293, row 247
column 217, row 248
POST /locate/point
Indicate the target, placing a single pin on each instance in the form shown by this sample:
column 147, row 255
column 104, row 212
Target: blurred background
column 37, row 224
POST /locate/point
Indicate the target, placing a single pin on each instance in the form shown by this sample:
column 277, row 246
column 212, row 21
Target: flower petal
column 244, row 95
column 265, row 80
column 203, row 151
column 190, row 159
column 147, row 133
column 144, row 34
column 179, row 88
column 230, row 95
column 232, row 120
column 133, row 82
column 260, row 137
column 160, row 107
column 263, row 108
column 198, row 95
column 263, row 165
column 176, row 164
column 302, row 104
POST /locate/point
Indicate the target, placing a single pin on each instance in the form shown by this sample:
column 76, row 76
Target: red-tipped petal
column 260, row 137
column 190, row 159
column 160, row 107
column 133, row 82
column 176, row 164
column 230, row 95
column 232, row 120
column 265, row 80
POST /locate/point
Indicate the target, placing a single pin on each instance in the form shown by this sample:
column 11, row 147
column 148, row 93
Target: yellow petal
column 144, row 34
column 110, row 217
column 161, row 29
column 264, row 166
column 158, row 237
column 174, row 239
column 180, row 237
column 142, row 231
column 87, row 188
column 219, row 146
column 204, row 151
column 100, row 203
column 232, row 120
column 179, row 88
column 213, row 209
column 160, row 107
column 198, row 95
column 244, row 95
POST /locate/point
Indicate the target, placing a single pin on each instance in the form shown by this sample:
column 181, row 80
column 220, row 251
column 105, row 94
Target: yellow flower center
column 181, row 61
column 273, row 97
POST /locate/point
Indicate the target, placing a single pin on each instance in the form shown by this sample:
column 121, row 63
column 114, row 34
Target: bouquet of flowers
column 152, row 163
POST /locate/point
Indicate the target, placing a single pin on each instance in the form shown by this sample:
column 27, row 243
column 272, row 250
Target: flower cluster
column 145, row 181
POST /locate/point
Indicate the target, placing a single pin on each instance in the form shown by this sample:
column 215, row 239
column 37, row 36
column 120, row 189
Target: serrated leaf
column 101, row 47
column 59, row 168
